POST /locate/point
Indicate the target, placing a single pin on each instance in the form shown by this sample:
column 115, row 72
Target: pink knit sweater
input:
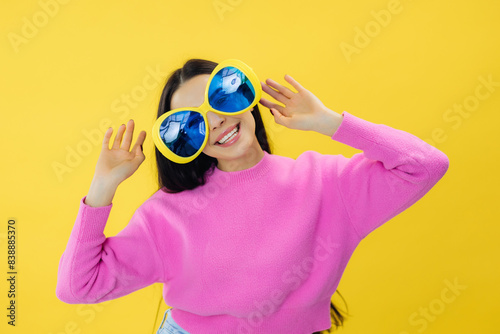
column 261, row 250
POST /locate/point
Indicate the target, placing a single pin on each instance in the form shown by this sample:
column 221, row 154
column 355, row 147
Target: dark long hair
column 174, row 177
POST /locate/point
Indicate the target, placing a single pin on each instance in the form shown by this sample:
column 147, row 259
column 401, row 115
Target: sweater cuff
column 91, row 221
column 354, row 131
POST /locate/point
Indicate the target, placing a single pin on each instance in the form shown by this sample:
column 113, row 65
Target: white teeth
column 230, row 135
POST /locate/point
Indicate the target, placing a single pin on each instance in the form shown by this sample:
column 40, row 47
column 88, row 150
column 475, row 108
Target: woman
column 244, row 241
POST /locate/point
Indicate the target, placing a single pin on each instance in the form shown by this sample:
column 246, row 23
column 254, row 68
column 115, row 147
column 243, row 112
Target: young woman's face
column 191, row 94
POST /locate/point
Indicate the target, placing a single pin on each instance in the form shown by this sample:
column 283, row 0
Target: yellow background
column 73, row 70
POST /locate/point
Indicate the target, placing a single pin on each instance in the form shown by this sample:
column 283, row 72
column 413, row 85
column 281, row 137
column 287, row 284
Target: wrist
column 330, row 122
column 105, row 181
column 101, row 192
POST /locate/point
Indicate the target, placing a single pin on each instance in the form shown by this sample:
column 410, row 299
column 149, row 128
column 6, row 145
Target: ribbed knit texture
column 260, row 250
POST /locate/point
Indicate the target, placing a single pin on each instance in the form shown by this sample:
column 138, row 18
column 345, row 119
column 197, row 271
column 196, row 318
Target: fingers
column 269, row 104
column 282, row 94
column 138, row 144
column 107, row 136
column 127, row 139
column 282, row 89
column 294, row 83
column 118, row 137
column 124, row 141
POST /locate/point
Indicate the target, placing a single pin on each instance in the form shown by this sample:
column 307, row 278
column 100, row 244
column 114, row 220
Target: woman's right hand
column 118, row 163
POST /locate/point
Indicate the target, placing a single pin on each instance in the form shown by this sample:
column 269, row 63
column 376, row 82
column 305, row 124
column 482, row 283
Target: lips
column 225, row 133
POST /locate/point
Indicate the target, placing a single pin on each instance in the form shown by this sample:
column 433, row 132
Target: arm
column 393, row 172
column 94, row 268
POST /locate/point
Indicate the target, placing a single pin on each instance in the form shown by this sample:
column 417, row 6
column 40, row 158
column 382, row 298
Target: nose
column 215, row 120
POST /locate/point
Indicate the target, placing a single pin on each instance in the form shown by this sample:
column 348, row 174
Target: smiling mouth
column 229, row 136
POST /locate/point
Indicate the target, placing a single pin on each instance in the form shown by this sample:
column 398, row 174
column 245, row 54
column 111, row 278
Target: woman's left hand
column 302, row 110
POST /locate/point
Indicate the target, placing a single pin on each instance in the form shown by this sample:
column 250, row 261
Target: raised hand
column 302, row 110
column 117, row 163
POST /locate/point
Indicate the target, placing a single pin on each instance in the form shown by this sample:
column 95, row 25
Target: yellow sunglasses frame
column 204, row 108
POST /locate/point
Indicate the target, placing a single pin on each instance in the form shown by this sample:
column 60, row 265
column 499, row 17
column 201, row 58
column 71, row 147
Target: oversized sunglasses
column 181, row 134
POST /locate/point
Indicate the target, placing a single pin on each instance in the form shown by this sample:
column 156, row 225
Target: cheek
column 250, row 125
column 208, row 148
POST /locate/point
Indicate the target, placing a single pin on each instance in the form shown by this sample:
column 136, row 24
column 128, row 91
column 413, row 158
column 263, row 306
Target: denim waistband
column 170, row 326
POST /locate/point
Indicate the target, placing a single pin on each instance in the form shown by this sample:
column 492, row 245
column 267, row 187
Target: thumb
column 278, row 117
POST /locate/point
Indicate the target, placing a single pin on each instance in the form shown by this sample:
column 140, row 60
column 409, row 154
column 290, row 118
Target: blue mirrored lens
column 183, row 132
column 230, row 90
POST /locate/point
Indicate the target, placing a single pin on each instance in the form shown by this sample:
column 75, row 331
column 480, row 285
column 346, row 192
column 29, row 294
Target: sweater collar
column 250, row 174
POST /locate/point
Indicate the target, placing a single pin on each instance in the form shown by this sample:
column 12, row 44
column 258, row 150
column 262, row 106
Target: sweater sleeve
column 393, row 172
column 94, row 269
